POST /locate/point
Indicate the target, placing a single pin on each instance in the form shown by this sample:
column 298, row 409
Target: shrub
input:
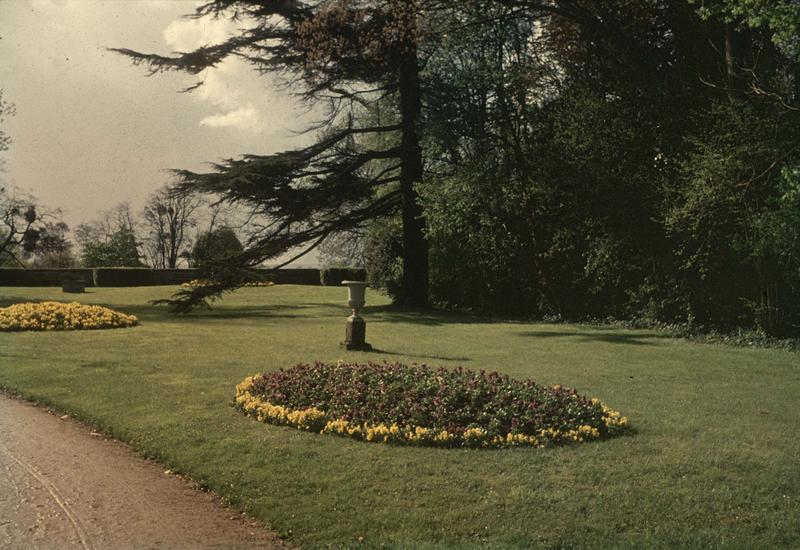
column 61, row 316
column 417, row 404
column 216, row 245
column 333, row 276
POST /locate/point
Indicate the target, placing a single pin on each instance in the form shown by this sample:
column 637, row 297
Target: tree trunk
column 737, row 46
column 415, row 246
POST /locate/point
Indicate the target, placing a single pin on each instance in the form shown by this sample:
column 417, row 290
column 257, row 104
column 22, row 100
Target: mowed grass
column 715, row 461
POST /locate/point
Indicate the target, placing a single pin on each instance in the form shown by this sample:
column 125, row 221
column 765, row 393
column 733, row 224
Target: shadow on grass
column 261, row 311
column 592, row 337
column 428, row 317
column 433, row 357
column 265, row 310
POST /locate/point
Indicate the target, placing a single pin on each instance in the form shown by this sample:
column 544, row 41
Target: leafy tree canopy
column 120, row 250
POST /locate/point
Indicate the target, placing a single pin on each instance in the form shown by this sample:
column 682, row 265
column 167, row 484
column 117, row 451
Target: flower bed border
column 313, row 419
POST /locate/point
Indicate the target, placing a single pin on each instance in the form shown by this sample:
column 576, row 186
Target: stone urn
column 356, row 327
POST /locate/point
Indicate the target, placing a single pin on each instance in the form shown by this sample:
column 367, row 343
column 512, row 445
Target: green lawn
column 715, row 461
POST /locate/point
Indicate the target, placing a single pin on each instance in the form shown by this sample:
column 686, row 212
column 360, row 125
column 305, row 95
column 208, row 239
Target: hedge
column 333, row 276
column 136, row 276
column 141, row 276
column 44, row 277
column 293, row 276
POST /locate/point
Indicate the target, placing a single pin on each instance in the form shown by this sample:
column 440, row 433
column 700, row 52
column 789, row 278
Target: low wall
column 136, row 276
column 44, row 277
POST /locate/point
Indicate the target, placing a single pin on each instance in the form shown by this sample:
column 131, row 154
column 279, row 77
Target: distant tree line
column 171, row 231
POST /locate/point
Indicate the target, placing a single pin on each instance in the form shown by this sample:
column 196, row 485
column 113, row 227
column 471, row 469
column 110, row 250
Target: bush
column 395, row 403
column 61, row 316
column 333, row 276
column 217, row 245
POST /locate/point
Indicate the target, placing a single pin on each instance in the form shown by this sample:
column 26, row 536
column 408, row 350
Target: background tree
column 54, row 249
column 167, row 217
column 343, row 249
column 110, row 241
column 32, row 236
column 103, row 228
column 19, row 232
column 120, row 250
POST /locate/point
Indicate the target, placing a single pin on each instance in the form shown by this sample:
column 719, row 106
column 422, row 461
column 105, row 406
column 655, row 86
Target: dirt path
column 61, row 487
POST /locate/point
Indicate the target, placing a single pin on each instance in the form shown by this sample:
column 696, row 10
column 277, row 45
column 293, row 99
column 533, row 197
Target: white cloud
column 222, row 85
column 243, row 118
column 189, row 34
column 231, row 87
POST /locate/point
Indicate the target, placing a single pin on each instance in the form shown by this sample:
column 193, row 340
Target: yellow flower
column 61, row 316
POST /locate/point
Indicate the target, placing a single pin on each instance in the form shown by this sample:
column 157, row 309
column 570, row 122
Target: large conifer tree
column 350, row 54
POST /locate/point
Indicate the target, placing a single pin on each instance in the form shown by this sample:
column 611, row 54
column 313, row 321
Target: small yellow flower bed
column 62, row 316
column 596, row 422
column 197, row 283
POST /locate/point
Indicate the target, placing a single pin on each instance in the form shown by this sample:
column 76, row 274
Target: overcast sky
column 91, row 130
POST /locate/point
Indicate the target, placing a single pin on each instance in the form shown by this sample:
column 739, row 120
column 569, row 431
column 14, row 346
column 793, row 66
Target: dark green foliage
column 333, row 276
column 652, row 177
column 736, row 216
column 634, row 159
column 782, row 17
column 119, row 251
column 383, row 254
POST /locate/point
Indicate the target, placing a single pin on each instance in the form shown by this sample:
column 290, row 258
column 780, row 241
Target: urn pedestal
column 356, row 328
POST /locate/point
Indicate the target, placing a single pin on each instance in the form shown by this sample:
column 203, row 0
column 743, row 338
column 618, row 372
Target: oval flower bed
column 417, row 404
column 62, row 316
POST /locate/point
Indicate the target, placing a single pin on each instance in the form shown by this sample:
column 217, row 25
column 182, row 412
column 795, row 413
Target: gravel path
column 63, row 487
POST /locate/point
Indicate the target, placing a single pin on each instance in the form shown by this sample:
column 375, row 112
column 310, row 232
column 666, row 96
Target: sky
column 91, row 130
